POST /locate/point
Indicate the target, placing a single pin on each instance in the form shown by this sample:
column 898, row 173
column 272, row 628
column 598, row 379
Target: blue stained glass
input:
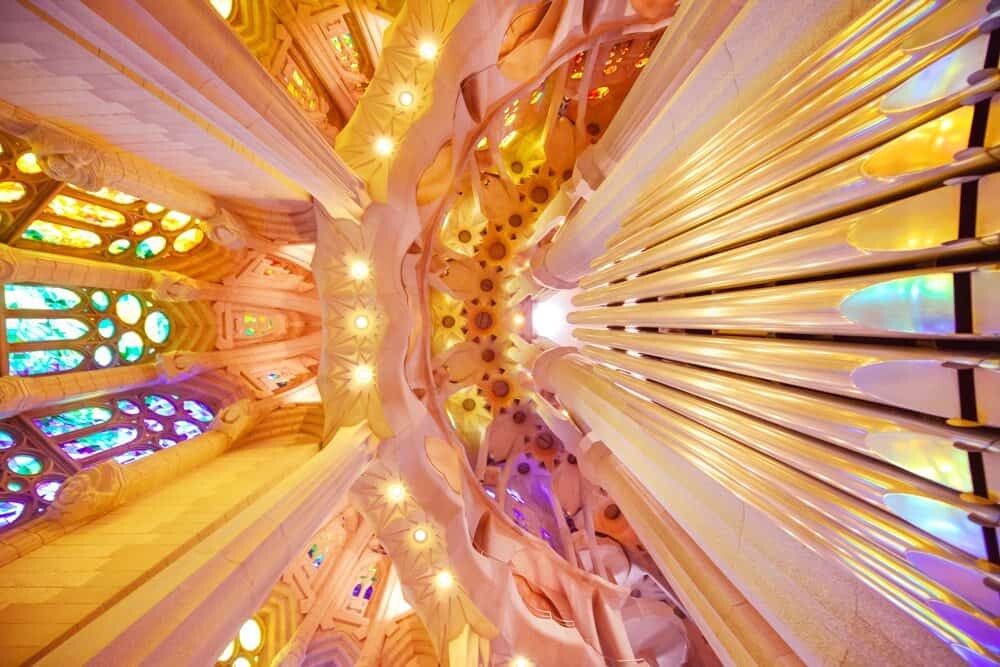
column 14, row 485
column 153, row 425
column 357, row 591
column 100, row 300
column 919, row 304
column 160, row 405
column 133, row 455
column 47, row 490
column 6, row 440
column 186, row 429
column 318, row 561
column 167, row 442
column 157, row 327
column 72, row 420
column 368, row 593
column 36, row 329
column 39, row 297
column 128, row 407
column 39, row 362
column 10, row 511
column 198, row 410
column 106, row 327
column 95, row 443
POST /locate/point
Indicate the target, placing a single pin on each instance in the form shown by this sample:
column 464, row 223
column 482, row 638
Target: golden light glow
column 427, row 49
column 250, row 635
column 153, row 209
column 518, row 320
column 521, row 661
column 444, row 580
column 395, row 492
column 384, row 146
column 28, row 164
column 361, row 322
column 359, row 270
column 223, row 7
column 405, row 98
column 363, row 374
column 420, row 535
column 483, row 144
column 227, row 653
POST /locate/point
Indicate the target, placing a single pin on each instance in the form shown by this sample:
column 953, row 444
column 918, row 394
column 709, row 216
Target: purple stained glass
column 160, row 405
column 93, row 443
column 357, row 591
column 186, row 429
column 368, row 593
column 153, row 425
column 167, row 442
column 128, row 407
column 47, row 490
column 198, row 411
column 133, row 455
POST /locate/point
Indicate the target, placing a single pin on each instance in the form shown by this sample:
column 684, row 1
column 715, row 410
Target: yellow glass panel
column 28, row 164
column 175, row 220
column 111, row 195
column 11, row 191
column 189, row 240
column 223, row 7
column 81, row 211
column 142, row 227
column 153, row 209
column 56, row 234
column 250, row 635
column 931, row 145
column 938, row 80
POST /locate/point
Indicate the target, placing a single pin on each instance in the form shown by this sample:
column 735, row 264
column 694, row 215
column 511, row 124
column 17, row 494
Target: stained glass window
column 299, row 87
column 244, row 650
column 53, row 329
column 30, row 477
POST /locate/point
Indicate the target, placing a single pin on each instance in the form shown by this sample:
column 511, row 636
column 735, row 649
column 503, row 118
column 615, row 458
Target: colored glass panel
column 160, row 405
column 25, row 465
column 72, row 420
column 189, row 240
column 28, row 164
column 81, row 211
column 167, row 442
column 6, row 440
column 130, row 346
column 10, row 511
column 118, row 246
column 153, row 209
column 47, row 490
column 14, row 485
column 40, row 362
column 198, row 410
column 56, row 234
column 95, row 443
column 106, row 327
column 128, row 308
column 174, row 221
column 128, row 407
column 142, row 227
column 919, row 304
column 157, row 327
column 39, row 297
column 110, row 195
column 186, row 429
column 153, row 425
column 150, row 247
column 250, row 635
column 103, row 356
column 37, row 329
column 11, row 191
column 100, row 300
column 133, row 455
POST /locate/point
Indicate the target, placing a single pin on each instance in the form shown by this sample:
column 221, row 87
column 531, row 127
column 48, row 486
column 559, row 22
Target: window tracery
column 53, row 329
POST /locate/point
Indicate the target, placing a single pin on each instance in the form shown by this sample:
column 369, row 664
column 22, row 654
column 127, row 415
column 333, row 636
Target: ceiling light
column 361, row 322
column 395, row 492
column 427, row 49
column 363, row 374
column 359, row 270
column 405, row 98
column 384, row 146
column 444, row 580
column 518, row 319
column 420, row 535
column 520, row 661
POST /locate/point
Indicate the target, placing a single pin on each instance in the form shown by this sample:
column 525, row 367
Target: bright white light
column 444, row 580
column 384, row 146
column 520, row 661
column 420, row 535
column 548, row 317
column 359, row 270
column 405, row 98
column 361, row 322
column 363, row 374
column 395, row 492
column 427, row 49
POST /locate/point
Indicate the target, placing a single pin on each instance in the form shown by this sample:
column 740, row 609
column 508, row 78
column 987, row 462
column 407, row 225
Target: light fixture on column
column 384, row 146
column 521, row 661
column 363, row 374
column 395, row 492
column 444, row 580
column 359, row 269
column 405, row 98
column 361, row 322
column 419, row 535
column 427, row 49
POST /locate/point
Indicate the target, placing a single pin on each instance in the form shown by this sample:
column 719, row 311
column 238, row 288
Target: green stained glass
column 128, row 308
column 14, row 485
column 47, row 490
column 6, row 440
column 71, row 237
column 104, row 355
column 100, row 300
column 33, row 330
column 10, row 511
column 160, row 405
column 24, row 464
column 72, row 420
column 106, row 327
column 150, row 247
column 118, row 246
column 94, row 443
column 39, row 297
column 157, row 327
column 130, row 346
column 39, row 362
